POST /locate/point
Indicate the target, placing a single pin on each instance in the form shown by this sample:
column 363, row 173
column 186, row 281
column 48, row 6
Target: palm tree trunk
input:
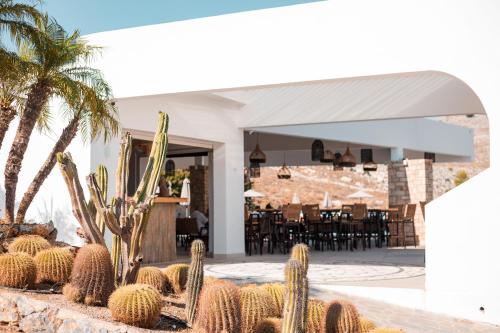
column 37, row 97
column 67, row 135
column 7, row 114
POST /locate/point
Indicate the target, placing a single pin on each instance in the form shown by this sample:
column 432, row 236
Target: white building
column 321, row 70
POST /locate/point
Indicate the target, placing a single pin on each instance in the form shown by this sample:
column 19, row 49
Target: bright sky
column 101, row 15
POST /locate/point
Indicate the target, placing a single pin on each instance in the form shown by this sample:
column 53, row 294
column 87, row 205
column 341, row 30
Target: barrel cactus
column 300, row 252
column 386, row 330
column 269, row 325
column 256, row 305
column 176, row 276
column 366, row 325
column 30, row 244
column 151, row 276
column 219, row 309
column 315, row 311
column 294, row 292
column 340, row 316
column 136, row 304
column 91, row 280
column 54, row 265
column 210, row 279
column 195, row 280
column 17, row 270
column 277, row 292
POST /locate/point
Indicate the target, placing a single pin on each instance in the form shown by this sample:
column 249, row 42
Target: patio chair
column 312, row 223
column 357, row 225
column 395, row 226
column 292, row 224
column 409, row 224
column 252, row 233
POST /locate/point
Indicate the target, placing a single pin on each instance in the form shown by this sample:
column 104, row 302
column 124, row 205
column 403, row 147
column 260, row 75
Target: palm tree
column 58, row 67
column 19, row 20
column 92, row 114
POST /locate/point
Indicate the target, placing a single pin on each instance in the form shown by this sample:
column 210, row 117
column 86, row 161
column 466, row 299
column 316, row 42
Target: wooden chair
column 409, row 224
column 312, row 222
column 357, row 224
column 395, row 225
column 252, row 233
column 292, row 224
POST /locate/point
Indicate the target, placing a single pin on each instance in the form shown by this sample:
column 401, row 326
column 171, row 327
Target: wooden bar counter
column 160, row 240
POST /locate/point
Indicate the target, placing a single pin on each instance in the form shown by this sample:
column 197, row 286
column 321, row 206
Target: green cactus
column 219, row 309
column 277, row 292
column 366, row 325
column 176, row 275
column 195, row 280
column 300, row 252
column 256, row 305
column 102, row 182
column 269, row 325
column 340, row 316
column 315, row 311
column 151, row 276
column 29, row 244
column 17, row 270
column 53, row 265
column 91, row 280
column 136, row 304
column 293, row 321
column 386, row 330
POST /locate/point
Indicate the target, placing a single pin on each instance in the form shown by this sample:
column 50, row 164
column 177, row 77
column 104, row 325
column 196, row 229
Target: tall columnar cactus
column 195, row 280
column 366, row 325
column 151, row 276
column 340, row 316
column 219, row 309
column 54, row 265
column 102, row 183
column 91, row 280
column 315, row 311
column 300, row 252
column 30, row 244
column 176, row 275
column 17, row 270
column 256, row 305
column 136, row 304
column 126, row 219
column 293, row 320
column 269, row 325
column 277, row 292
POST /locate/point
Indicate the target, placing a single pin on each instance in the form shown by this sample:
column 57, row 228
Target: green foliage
column 460, row 177
column 176, row 181
column 136, row 304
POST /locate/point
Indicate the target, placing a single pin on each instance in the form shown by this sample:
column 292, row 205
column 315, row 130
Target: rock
column 8, row 311
column 38, row 322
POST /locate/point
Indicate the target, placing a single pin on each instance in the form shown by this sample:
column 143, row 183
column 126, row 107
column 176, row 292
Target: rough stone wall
column 412, row 183
column 198, row 178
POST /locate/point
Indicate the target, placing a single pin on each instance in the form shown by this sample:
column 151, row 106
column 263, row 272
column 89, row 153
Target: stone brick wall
column 198, row 178
column 412, row 183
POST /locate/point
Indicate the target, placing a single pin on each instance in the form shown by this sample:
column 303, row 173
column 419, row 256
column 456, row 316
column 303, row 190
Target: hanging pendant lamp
column 336, row 162
column 317, row 150
column 367, row 160
column 328, row 157
column 254, row 170
column 348, row 159
column 284, row 172
column 257, row 155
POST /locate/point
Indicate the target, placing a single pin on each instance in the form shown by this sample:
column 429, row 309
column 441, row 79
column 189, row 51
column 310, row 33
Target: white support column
column 228, row 221
column 397, row 154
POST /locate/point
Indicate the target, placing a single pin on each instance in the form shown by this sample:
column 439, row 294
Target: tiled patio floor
column 385, row 284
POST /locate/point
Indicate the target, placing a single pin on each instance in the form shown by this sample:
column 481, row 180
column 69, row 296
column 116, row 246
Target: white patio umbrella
column 326, row 200
column 253, row 194
column 295, row 198
column 360, row 195
column 186, row 193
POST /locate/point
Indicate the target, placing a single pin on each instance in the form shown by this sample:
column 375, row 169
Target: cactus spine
column 219, row 309
column 151, row 276
column 366, row 325
column 256, row 305
column 277, row 292
column 195, row 279
column 30, row 244
column 292, row 311
column 136, row 304
column 17, row 270
column 102, row 183
column 315, row 311
column 300, row 252
column 269, row 325
column 176, row 275
column 92, row 276
column 54, row 265
column 340, row 316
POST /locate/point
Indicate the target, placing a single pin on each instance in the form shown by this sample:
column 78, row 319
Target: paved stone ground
column 377, row 268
